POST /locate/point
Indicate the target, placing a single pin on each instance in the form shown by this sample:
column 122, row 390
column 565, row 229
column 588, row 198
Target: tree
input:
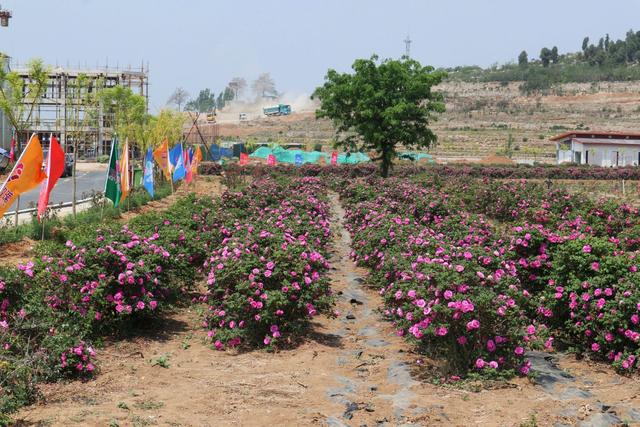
column 523, row 59
column 585, row 45
column 82, row 113
column 18, row 98
column 126, row 110
column 381, row 105
column 238, row 85
column 545, row 56
column 264, row 86
column 554, row 55
column 205, row 102
column 178, row 97
column 224, row 97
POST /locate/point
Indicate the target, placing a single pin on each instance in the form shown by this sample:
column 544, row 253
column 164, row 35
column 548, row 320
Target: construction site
column 66, row 111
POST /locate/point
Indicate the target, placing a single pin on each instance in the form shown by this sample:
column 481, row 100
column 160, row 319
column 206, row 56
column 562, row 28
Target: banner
column 271, row 160
column 112, row 189
column 25, row 175
column 187, row 165
column 12, row 153
column 177, row 162
column 334, row 158
column 161, row 156
column 125, row 182
column 298, row 159
column 244, row 159
column 147, row 178
column 195, row 161
column 55, row 169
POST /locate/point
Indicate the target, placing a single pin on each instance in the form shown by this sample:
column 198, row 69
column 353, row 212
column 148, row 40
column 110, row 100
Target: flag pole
column 17, row 209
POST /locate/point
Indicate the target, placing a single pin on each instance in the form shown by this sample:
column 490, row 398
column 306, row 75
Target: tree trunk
column 386, row 162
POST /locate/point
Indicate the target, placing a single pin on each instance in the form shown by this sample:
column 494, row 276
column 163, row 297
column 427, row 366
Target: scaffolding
column 52, row 113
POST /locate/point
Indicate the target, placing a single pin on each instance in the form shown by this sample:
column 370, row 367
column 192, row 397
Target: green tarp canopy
column 289, row 156
column 413, row 155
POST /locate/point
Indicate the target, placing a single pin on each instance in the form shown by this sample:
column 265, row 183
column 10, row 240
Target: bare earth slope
column 481, row 116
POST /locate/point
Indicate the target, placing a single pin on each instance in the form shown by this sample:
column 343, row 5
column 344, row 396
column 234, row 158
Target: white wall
column 600, row 155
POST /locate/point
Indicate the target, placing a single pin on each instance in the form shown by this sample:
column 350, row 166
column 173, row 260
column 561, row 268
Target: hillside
column 481, row 116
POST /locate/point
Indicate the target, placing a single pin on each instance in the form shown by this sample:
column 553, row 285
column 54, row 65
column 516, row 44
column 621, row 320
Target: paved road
column 63, row 191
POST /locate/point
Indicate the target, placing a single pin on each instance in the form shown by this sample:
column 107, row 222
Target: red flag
column 12, row 153
column 334, row 158
column 187, row 165
column 244, row 159
column 55, row 168
column 271, row 160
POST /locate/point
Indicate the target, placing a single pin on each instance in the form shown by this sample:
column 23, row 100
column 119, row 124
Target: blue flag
column 177, row 163
column 298, row 159
column 147, row 179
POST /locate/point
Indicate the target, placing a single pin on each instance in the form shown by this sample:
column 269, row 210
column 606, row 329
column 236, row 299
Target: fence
column 29, row 211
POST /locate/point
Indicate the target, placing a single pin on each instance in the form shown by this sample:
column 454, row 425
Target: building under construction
column 67, row 111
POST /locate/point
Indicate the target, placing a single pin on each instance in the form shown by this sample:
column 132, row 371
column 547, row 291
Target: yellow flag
column 25, row 175
column 125, row 184
column 161, row 156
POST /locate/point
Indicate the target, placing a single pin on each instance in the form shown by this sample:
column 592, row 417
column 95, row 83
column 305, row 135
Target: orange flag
column 195, row 162
column 25, row 175
column 125, row 184
column 161, row 156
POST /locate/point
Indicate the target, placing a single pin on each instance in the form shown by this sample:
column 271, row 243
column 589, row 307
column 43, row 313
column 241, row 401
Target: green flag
column 112, row 190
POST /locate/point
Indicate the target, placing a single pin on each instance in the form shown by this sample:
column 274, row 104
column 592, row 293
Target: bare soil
column 350, row 370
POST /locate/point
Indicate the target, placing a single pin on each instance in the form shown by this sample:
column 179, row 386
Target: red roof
column 596, row 134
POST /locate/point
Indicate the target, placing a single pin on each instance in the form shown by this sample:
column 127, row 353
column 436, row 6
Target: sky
column 198, row 44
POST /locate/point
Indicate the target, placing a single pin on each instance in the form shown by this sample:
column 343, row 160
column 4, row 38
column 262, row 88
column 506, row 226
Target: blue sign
column 298, row 159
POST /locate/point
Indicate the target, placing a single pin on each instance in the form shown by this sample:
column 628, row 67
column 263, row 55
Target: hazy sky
column 199, row 43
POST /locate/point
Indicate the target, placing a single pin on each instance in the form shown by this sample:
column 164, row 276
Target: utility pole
column 407, row 43
column 5, row 15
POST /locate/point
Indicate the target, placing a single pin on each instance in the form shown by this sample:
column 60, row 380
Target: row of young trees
column 263, row 86
column 606, row 52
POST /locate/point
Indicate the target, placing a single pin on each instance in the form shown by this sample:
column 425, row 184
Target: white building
column 609, row 149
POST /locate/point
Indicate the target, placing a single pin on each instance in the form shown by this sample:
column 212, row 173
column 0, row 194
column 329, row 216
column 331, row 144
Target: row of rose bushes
column 543, row 172
column 117, row 279
column 268, row 277
column 105, row 281
column 468, row 274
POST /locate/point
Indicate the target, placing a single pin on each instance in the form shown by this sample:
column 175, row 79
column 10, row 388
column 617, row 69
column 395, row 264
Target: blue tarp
column 218, row 152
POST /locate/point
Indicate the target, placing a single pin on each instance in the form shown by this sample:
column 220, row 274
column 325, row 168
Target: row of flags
column 27, row 173
column 175, row 163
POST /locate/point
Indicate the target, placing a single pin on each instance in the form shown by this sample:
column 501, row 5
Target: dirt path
column 351, row 371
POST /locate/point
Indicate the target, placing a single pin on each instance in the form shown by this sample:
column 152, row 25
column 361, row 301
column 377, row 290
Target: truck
column 277, row 110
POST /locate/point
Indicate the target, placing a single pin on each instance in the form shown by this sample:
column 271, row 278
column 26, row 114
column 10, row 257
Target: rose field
column 330, row 296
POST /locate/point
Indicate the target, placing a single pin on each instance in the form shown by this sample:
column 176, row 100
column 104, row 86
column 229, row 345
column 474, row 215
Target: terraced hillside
column 482, row 117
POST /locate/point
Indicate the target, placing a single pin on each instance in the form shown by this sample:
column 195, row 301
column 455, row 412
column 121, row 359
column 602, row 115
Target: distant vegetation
column 607, row 61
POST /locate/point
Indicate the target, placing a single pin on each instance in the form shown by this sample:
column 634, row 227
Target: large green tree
column 382, row 105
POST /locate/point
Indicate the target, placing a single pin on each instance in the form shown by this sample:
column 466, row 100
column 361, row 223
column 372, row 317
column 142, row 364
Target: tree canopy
column 381, row 105
column 178, row 97
column 17, row 98
column 127, row 110
column 205, row 102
